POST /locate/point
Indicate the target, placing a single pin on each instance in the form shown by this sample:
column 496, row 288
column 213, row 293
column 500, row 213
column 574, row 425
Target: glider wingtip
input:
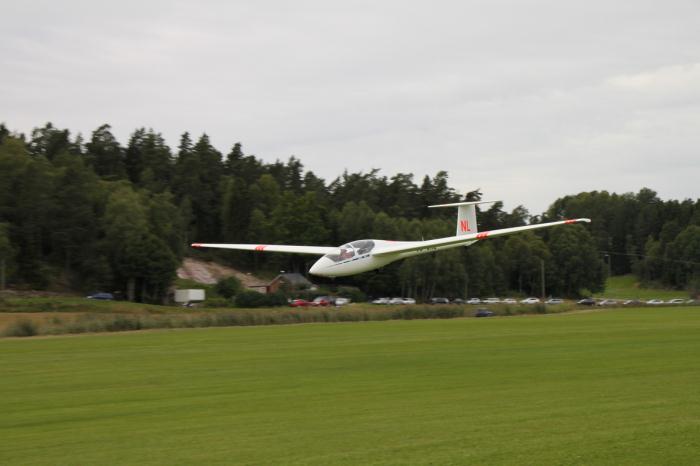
column 578, row 220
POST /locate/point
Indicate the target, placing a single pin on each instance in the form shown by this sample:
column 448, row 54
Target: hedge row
column 99, row 322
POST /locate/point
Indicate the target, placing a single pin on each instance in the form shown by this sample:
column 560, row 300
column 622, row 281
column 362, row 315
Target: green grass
column 627, row 287
column 607, row 387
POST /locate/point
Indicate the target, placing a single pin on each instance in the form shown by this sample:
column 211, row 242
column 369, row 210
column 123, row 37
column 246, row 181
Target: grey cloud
column 528, row 100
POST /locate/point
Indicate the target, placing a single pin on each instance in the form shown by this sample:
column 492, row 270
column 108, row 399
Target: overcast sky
column 528, row 100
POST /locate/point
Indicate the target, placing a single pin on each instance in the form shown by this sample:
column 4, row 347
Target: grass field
column 603, row 387
column 627, row 287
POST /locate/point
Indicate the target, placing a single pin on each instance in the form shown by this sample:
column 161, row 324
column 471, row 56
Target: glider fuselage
column 359, row 256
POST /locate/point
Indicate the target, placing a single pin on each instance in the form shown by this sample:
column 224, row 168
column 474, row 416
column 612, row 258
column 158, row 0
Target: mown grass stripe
column 615, row 387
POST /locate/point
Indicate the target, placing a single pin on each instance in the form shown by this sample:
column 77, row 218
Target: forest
column 94, row 214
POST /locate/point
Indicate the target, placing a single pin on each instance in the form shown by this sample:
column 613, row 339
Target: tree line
column 95, row 214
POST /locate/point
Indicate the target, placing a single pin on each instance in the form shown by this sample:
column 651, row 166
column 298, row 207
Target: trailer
column 188, row 296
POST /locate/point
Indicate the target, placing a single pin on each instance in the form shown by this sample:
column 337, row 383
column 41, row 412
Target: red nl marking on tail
column 464, row 226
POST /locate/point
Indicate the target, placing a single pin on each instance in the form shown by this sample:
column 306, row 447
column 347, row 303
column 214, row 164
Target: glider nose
column 320, row 267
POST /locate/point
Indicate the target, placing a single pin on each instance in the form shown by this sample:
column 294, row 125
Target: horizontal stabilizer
column 457, row 204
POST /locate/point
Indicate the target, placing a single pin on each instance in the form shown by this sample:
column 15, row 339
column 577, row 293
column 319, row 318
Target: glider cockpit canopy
column 350, row 250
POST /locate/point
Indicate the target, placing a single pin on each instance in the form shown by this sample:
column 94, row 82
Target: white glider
column 369, row 254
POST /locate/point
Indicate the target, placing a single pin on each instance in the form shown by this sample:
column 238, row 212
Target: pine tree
column 48, row 141
column 236, row 210
column 7, row 254
column 74, row 205
column 105, row 154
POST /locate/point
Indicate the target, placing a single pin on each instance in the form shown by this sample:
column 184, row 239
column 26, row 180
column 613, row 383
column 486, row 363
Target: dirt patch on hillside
column 210, row 272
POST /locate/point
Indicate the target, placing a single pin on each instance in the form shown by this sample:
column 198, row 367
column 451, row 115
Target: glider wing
column 469, row 238
column 313, row 250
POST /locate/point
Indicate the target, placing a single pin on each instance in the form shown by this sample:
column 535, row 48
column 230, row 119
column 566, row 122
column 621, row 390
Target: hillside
column 208, row 273
column 628, row 287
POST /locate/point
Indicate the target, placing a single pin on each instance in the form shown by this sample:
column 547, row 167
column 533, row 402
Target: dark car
column 101, row 295
column 587, row 301
column 483, row 313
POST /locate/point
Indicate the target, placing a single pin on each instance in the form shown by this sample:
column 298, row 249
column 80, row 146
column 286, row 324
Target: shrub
column 276, row 299
column 120, row 323
column 217, row 302
column 22, row 328
column 228, row 287
column 251, row 299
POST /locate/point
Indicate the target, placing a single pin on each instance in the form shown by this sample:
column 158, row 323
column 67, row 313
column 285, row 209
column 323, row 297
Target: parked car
column 396, row 301
column 409, row 301
column 491, row 301
column 530, row 301
column 586, row 301
column 101, row 295
column 676, row 301
column 341, row 301
column 554, row 301
column 509, row 301
column 655, row 301
column 458, row 301
column 439, row 301
column 473, row 301
column 381, row 301
column 321, row 301
column 606, row 302
column 300, row 303
column 483, row 313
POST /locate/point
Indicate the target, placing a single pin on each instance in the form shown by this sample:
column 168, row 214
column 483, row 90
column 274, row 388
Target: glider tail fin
column 466, row 215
